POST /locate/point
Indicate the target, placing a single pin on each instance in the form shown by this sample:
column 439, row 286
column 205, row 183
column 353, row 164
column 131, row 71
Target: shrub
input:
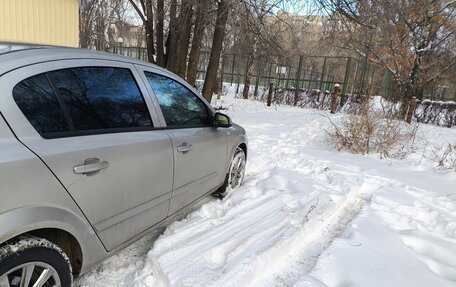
column 370, row 129
column 446, row 157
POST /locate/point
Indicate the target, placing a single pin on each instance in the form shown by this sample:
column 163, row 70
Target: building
column 54, row 22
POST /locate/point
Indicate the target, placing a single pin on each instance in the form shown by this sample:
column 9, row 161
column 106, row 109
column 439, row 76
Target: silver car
column 96, row 150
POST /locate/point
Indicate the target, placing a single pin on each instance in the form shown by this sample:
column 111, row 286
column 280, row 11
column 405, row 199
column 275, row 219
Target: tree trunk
column 85, row 24
column 217, row 42
column 161, row 61
column 410, row 87
column 149, row 26
column 249, row 72
column 172, row 38
column 411, row 83
column 85, row 32
column 183, row 39
column 218, row 87
column 197, row 41
column 150, row 43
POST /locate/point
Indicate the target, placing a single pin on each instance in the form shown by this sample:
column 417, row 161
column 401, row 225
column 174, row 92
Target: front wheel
column 32, row 261
column 237, row 169
column 235, row 174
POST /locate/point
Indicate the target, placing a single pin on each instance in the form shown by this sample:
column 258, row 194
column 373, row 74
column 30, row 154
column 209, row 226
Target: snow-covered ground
column 307, row 215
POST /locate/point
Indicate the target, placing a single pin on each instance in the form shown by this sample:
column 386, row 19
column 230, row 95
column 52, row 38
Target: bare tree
column 201, row 21
column 410, row 38
column 86, row 15
column 183, row 40
column 171, row 41
column 145, row 10
column 96, row 17
column 161, row 60
column 217, row 43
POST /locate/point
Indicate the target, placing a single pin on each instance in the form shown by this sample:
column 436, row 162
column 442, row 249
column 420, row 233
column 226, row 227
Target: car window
column 40, row 105
column 179, row 105
column 101, row 97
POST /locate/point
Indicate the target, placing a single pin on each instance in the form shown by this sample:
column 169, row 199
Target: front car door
column 89, row 122
column 199, row 149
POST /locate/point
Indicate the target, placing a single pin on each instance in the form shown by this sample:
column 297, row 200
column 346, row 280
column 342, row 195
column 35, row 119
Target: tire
column 235, row 175
column 33, row 260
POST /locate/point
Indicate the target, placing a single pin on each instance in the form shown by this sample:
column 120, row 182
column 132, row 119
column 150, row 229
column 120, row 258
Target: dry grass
column 368, row 130
column 446, row 157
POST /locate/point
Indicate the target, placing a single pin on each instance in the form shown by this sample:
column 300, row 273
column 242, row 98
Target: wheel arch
column 240, row 142
column 66, row 241
column 243, row 146
column 59, row 226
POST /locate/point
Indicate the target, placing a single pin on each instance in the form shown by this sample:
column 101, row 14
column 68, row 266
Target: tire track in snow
column 294, row 258
column 234, row 235
column 245, row 255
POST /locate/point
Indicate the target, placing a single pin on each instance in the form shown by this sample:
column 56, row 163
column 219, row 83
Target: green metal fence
column 305, row 72
column 134, row 52
column 355, row 76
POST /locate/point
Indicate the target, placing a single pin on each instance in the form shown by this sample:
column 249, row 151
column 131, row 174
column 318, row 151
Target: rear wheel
column 32, row 261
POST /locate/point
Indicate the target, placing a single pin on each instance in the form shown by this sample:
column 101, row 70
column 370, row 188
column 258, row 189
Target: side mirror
column 221, row 120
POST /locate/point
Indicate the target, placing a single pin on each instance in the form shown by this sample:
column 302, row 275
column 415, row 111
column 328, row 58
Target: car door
column 199, row 148
column 88, row 121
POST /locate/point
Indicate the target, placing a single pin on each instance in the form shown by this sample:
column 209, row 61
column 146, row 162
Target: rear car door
column 199, row 148
column 89, row 122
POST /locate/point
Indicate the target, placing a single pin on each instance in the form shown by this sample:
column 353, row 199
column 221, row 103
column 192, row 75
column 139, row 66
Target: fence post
column 411, row 110
column 232, row 70
column 246, row 75
column 270, row 71
column 277, row 79
column 287, row 81
column 355, row 79
column 271, row 90
column 334, row 98
column 257, row 82
column 347, row 75
column 310, row 79
column 322, row 74
column 382, row 88
column 371, row 83
column 298, row 76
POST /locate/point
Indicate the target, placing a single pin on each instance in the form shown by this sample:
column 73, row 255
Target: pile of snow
column 306, row 216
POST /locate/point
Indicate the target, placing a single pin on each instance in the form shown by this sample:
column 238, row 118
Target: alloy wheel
column 31, row 274
column 237, row 169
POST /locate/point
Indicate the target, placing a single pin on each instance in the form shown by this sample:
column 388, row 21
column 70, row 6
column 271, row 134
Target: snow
column 307, row 215
column 26, row 242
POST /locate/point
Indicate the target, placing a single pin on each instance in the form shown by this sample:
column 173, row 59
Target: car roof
column 8, row 47
column 16, row 55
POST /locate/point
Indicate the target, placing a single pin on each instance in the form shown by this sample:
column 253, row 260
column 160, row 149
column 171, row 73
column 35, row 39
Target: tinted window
column 101, row 98
column 180, row 106
column 37, row 101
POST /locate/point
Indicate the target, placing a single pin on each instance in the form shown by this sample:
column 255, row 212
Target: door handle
column 185, row 147
column 91, row 166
